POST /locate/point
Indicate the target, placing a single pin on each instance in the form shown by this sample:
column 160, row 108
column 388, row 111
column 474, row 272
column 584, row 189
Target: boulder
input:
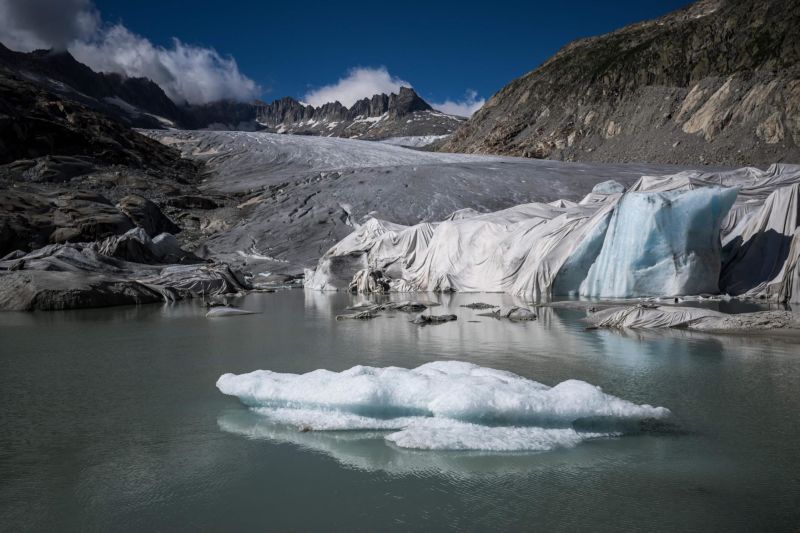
column 49, row 291
column 147, row 215
column 423, row 320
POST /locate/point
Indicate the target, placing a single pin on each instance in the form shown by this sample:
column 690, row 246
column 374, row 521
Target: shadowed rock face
column 717, row 82
column 64, row 166
column 137, row 102
column 36, row 123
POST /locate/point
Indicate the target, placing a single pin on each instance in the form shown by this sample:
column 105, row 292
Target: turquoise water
column 111, row 421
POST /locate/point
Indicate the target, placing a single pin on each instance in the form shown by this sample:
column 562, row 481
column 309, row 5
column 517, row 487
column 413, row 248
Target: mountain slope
column 383, row 116
column 138, row 102
column 717, row 82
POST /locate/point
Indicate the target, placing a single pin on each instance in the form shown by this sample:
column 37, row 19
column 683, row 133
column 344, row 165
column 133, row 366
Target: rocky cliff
column 717, row 82
column 379, row 117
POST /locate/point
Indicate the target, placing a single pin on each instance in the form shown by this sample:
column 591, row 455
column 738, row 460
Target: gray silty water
column 111, row 421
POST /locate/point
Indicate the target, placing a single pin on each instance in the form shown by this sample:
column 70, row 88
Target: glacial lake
column 110, row 420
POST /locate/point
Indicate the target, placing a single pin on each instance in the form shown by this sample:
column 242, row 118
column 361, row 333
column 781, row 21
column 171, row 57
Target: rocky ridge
column 717, row 82
column 382, row 116
column 137, row 102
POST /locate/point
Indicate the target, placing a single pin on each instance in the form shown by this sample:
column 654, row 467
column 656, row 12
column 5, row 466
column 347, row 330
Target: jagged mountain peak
column 380, row 116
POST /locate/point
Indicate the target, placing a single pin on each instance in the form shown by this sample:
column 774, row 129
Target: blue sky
column 455, row 54
column 443, row 49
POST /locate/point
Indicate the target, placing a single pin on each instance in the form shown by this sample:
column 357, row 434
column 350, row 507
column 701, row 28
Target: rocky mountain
column 138, row 102
column 380, row 117
column 63, row 165
column 717, row 82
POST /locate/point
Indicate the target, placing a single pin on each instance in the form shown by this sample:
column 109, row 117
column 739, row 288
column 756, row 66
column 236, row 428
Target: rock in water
column 433, row 319
column 67, row 276
column 223, row 311
column 53, row 291
column 361, row 315
column 479, row 305
column 513, row 313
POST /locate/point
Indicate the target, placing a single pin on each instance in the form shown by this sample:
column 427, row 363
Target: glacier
column 688, row 233
column 662, row 243
column 443, row 405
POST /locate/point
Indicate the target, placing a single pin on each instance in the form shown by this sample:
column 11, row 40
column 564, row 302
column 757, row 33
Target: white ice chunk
column 442, row 405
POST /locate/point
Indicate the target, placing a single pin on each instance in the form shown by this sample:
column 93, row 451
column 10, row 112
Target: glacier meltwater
column 446, row 405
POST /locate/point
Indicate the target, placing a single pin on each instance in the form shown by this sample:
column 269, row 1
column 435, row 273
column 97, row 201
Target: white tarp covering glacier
column 660, row 238
column 445, row 405
column 693, row 318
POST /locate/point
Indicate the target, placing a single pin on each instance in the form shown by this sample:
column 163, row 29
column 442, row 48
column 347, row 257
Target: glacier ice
column 659, row 238
column 661, row 244
column 445, row 405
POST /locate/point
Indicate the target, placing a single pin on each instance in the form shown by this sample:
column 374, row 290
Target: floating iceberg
column 660, row 238
column 445, row 405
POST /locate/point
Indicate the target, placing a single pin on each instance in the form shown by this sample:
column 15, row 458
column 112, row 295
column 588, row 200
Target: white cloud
column 33, row 24
column 463, row 108
column 359, row 83
column 186, row 73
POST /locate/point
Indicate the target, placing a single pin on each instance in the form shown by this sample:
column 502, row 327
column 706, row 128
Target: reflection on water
column 111, row 421
column 368, row 451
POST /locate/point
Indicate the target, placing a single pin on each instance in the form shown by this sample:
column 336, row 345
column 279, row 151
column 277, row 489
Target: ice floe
column 446, row 405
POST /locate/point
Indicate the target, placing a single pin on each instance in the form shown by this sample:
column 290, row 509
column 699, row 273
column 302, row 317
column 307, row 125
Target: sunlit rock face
column 682, row 88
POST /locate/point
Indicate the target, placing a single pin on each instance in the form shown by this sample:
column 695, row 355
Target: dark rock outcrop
column 717, row 82
column 32, row 217
column 137, row 102
column 36, row 123
column 147, row 215
column 117, row 271
column 53, row 291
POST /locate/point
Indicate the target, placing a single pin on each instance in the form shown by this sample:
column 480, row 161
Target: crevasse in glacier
column 661, row 244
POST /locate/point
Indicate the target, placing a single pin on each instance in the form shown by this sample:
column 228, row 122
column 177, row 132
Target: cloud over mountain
column 190, row 73
column 360, row 82
column 462, row 108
